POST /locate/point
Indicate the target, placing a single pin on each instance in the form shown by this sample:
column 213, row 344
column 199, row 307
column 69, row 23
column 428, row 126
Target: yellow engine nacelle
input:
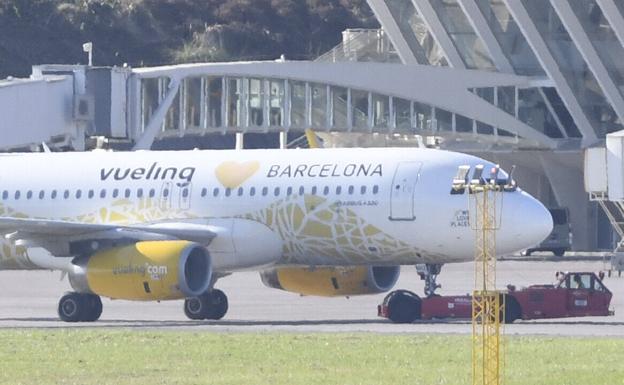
column 332, row 281
column 146, row 271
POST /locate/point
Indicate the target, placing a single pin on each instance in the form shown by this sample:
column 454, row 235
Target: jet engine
column 332, row 281
column 145, row 271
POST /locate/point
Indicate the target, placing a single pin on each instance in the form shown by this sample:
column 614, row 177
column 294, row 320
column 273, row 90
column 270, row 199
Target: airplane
column 167, row 225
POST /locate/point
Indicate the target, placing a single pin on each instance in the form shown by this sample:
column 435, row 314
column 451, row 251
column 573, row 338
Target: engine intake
column 332, row 281
column 146, row 271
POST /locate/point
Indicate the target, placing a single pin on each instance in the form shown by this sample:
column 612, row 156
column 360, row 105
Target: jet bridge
column 604, row 181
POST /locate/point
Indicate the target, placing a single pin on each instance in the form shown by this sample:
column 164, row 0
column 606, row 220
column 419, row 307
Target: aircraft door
column 578, row 297
column 402, row 192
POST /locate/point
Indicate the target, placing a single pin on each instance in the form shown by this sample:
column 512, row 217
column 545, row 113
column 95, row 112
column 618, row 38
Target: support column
column 240, row 141
column 567, row 186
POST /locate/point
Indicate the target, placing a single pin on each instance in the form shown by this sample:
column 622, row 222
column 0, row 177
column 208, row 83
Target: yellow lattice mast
column 487, row 303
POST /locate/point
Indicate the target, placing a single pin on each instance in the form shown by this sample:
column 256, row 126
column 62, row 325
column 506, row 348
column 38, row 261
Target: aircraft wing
column 52, row 233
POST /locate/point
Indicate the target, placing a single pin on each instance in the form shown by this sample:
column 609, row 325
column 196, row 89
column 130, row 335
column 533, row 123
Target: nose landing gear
column 211, row 305
column 429, row 273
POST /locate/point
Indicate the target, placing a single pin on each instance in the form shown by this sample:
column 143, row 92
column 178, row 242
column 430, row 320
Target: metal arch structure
column 391, row 82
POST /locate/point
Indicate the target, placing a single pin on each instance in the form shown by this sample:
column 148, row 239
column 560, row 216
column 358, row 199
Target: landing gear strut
column 80, row 307
column 212, row 305
column 429, row 273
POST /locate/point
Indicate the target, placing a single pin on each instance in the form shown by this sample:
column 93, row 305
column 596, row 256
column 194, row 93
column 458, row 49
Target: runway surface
column 29, row 300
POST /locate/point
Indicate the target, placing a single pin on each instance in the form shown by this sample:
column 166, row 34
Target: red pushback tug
column 579, row 294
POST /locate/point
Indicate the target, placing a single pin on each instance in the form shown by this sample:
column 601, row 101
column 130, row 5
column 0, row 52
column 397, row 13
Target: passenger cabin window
column 326, row 190
column 363, row 190
column 301, row 190
column 338, row 190
column 252, row 191
column 78, row 194
column 91, row 194
column 240, row 191
column 228, row 192
column 215, row 192
column 5, row 195
column 103, row 193
column 54, row 193
column 204, row 192
column 127, row 193
column 276, row 192
column 17, row 195
column 375, row 189
column 351, row 188
column 115, row 193
column 140, row 193
column 313, row 190
column 29, row 194
column 152, row 193
column 289, row 191
column 265, row 191
column 41, row 194
column 66, row 194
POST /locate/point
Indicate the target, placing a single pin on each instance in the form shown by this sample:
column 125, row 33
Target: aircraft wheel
column 512, row 310
column 558, row 252
column 71, row 307
column 404, row 307
column 93, row 307
column 219, row 305
column 196, row 308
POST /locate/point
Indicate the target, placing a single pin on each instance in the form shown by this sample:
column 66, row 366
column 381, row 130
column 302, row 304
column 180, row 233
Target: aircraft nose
column 526, row 222
column 538, row 221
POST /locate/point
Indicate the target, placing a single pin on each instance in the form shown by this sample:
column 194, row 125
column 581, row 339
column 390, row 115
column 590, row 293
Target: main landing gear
column 211, row 305
column 404, row 306
column 80, row 307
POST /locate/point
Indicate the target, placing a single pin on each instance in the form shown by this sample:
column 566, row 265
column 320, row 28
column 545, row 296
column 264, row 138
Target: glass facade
column 466, row 41
column 422, row 44
column 573, row 67
column 510, row 38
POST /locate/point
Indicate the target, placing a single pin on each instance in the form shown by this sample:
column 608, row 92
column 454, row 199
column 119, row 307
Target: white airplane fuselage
column 388, row 206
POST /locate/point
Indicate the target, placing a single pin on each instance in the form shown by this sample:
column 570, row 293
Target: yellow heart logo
column 233, row 174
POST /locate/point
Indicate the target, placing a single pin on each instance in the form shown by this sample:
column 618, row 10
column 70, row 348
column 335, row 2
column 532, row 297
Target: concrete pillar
column 240, row 141
column 567, row 185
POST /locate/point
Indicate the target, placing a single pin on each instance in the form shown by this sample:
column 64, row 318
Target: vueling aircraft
column 152, row 226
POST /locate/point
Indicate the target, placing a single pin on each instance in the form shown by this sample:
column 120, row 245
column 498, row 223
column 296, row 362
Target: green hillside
column 152, row 32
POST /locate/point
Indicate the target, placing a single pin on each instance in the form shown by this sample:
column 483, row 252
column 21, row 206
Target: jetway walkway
column 64, row 104
column 604, row 181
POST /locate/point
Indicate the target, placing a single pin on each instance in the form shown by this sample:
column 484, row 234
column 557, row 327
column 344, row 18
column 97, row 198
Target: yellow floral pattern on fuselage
column 313, row 229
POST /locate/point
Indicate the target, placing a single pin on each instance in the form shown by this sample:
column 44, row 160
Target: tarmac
column 29, row 300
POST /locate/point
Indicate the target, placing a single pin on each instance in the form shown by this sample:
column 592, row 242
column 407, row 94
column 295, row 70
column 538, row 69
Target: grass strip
column 152, row 357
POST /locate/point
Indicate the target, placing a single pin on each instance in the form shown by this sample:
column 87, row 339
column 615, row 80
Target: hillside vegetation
column 152, row 32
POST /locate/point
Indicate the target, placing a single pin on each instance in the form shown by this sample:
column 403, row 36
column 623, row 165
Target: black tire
column 558, row 252
column 71, row 307
column 196, row 308
column 404, row 307
column 513, row 311
column 93, row 307
column 219, row 305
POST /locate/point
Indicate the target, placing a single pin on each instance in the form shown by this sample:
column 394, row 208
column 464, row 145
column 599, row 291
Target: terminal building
column 531, row 83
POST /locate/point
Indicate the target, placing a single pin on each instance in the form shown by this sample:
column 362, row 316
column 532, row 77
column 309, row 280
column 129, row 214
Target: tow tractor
column 576, row 294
